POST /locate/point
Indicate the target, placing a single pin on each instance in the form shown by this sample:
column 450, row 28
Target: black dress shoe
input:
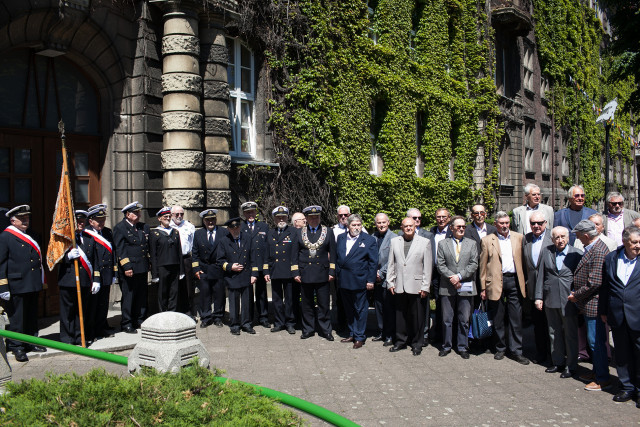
column 306, row 335
column 567, row 373
column 235, row 331
column 416, row 351
column 464, row 354
column 20, row 355
column 249, row 330
column 638, row 403
column 328, row 337
column 443, row 353
column 37, row 349
column 206, row 323
column 388, row 343
column 553, row 369
column 218, row 323
column 499, row 355
column 520, row 359
column 291, row 330
column 129, row 330
column 397, row 348
column 265, row 324
column 277, row 329
column 623, row 396
column 378, row 338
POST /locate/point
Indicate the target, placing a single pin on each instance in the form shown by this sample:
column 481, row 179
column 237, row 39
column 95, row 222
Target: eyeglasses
column 416, row 217
column 537, row 222
column 442, row 216
column 578, row 196
column 462, row 227
column 343, row 215
column 478, row 213
column 178, row 214
column 616, row 203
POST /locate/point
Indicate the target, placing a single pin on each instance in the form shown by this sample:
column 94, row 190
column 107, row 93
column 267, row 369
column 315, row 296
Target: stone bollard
column 5, row 369
column 168, row 343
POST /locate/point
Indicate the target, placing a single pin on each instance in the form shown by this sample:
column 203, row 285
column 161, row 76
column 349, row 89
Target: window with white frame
column 545, row 148
column 240, row 75
column 565, row 166
column 544, row 87
column 528, row 148
column 527, row 63
column 375, row 162
column 371, row 28
column 420, row 122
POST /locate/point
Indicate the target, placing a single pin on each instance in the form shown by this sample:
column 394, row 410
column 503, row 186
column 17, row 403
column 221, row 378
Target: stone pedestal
column 168, row 344
column 5, row 369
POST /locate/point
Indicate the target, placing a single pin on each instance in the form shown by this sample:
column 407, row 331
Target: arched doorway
column 37, row 92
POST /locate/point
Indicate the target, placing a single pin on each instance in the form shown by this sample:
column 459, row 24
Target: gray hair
column 500, row 214
column 591, row 233
column 354, row 217
column 537, row 214
column 530, row 186
column 613, row 194
column 572, row 189
column 629, row 231
column 559, row 229
column 382, row 213
column 343, row 207
column 413, row 210
column 599, row 215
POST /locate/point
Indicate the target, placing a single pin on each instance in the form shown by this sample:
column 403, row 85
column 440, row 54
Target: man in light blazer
column 356, row 266
column 383, row 300
column 553, row 287
column 619, row 305
column 617, row 217
column 502, row 277
column 521, row 214
column 408, row 279
column 534, row 242
column 457, row 264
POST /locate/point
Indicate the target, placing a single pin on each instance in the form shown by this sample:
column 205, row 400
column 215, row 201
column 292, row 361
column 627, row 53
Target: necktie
column 279, row 232
column 457, row 249
column 238, row 241
column 211, row 238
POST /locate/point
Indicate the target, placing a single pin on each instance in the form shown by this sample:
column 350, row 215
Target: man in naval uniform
column 21, row 279
column 165, row 252
column 131, row 238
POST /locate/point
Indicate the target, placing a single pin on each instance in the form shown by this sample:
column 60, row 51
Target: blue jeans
column 597, row 337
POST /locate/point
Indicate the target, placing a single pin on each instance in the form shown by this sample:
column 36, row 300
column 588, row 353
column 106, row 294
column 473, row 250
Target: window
column 375, row 162
column 544, row 87
column 528, row 148
column 544, row 146
column 420, row 123
column 527, row 63
column 371, row 5
column 565, row 166
column 240, row 75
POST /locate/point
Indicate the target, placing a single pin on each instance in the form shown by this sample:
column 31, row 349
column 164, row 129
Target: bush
column 191, row 397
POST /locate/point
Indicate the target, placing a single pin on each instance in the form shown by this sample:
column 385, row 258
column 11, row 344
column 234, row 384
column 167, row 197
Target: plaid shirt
column 588, row 277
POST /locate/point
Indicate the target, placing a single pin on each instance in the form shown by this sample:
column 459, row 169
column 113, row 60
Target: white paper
column 466, row 287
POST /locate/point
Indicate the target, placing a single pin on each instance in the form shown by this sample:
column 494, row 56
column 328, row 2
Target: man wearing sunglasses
column 617, row 218
column 521, row 214
column 570, row 217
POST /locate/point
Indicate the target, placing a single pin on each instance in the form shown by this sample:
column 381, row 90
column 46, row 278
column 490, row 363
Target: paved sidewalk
column 374, row 387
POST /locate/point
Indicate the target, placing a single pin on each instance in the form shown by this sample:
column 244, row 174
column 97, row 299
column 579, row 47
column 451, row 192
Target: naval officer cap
column 233, row 222
column 80, row 214
column 584, row 226
column 98, row 206
column 208, row 213
column 18, row 210
column 280, row 210
column 312, row 210
column 247, row 206
column 163, row 211
column 132, row 207
column 97, row 211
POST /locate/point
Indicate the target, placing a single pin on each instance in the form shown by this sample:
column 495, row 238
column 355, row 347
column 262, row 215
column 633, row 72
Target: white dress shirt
column 186, row 230
column 615, row 226
column 350, row 242
column 482, row 232
column 508, row 266
column 625, row 267
column 536, row 247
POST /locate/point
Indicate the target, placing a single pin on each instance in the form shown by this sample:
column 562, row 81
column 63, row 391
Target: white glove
column 181, row 277
column 73, row 254
column 156, row 280
column 5, row 295
column 95, row 288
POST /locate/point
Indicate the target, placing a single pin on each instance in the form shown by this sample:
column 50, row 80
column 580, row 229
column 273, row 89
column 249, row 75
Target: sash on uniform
column 85, row 262
column 101, row 240
column 28, row 240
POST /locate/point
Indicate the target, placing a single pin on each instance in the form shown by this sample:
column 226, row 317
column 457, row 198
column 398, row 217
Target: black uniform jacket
column 67, row 270
column 132, row 246
column 203, row 254
column 105, row 259
column 165, row 249
column 314, row 268
column 258, row 244
column 280, row 249
column 228, row 253
column 20, row 266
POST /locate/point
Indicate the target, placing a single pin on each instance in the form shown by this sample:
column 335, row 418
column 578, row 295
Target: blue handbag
column 481, row 322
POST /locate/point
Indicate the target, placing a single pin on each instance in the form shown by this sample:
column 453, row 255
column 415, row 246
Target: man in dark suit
column 534, row 242
column 278, row 271
column 587, row 280
column 167, row 268
column 89, row 272
column 619, row 305
column 383, row 300
column 576, row 212
column 105, row 258
column 439, row 232
column 553, row 287
column 207, row 271
column 235, row 257
column 21, row 279
column 131, row 238
column 313, row 264
column 457, row 264
column 478, row 228
column 356, row 266
column 257, row 231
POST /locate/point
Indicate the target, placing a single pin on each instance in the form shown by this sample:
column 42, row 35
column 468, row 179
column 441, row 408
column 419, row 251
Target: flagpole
column 72, row 221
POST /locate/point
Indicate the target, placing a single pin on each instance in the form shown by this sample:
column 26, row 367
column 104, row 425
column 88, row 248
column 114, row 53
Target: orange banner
column 62, row 229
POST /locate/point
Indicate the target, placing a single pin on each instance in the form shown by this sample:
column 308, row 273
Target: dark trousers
column 240, row 301
column 281, row 298
column 409, row 320
column 627, row 357
column 168, row 287
column 321, row 292
column 262, row 302
column 433, row 332
column 134, row 300
column 22, row 310
column 70, row 315
column 187, row 303
column 295, row 302
column 211, row 291
column 459, row 308
column 337, row 306
column 508, row 311
column 356, row 306
column 101, row 310
column 540, row 331
column 385, row 312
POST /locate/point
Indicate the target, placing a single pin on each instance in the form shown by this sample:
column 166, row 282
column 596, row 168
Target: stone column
column 217, row 128
column 182, row 157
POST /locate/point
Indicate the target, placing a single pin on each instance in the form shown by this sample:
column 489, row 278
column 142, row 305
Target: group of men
column 570, row 273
